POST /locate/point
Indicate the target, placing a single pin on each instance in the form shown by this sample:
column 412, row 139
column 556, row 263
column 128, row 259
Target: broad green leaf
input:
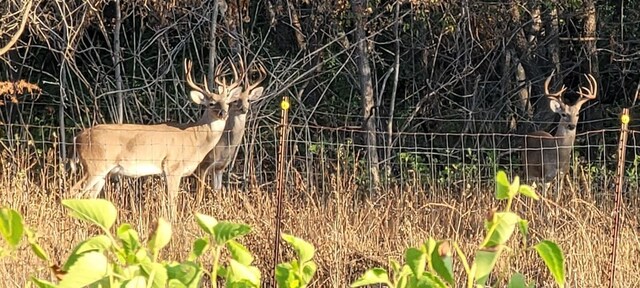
column 518, row 281
column 240, row 253
column 206, row 223
column 98, row 243
column 42, row 283
column 395, row 266
column 130, row 242
column 528, row 191
column 416, row 259
column 286, row 276
column 502, row 185
column 429, row 280
column 11, row 226
column 160, row 237
column 500, row 228
column 199, row 247
column 304, row 249
column 514, row 187
column 484, row 262
column 523, row 226
column 173, row 283
column 373, row 276
column 89, row 268
column 239, row 272
column 553, row 258
column 188, row 273
column 442, row 262
column 96, row 211
column 35, row 247
column 136, row 282
column 156, row 274
column 308, row 271
column 225, row 231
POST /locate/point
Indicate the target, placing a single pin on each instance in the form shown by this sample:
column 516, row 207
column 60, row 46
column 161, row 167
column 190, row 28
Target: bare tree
column 366, row 88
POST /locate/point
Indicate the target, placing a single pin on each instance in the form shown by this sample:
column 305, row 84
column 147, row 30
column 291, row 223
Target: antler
column 193, row 85
column 222, row 82
column 590, row 93
column 262, row 72
column 557, row 94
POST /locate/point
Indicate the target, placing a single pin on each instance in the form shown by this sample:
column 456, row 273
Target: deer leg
column 173, row 188
column 217, row 180
column 96, row 184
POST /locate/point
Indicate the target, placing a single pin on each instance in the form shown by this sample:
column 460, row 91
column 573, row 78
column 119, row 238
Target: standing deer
column 173, row 150
column 220, row 157
column 546, row 155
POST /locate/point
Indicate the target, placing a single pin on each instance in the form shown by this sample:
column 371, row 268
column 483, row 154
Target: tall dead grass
column 351, row 232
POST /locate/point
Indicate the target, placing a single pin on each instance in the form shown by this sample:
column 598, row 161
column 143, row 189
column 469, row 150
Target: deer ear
column 555, row 105
column 197, row 97
column 256, row 93
column 234, row 95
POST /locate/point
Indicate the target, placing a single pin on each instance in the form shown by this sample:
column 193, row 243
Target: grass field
column 351, row 232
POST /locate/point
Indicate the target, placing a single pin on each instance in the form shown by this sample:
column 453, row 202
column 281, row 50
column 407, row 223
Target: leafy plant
column 123, row 260
column 430, row 264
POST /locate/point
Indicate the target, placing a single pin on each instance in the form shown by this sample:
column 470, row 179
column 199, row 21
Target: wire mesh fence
column 430, row 162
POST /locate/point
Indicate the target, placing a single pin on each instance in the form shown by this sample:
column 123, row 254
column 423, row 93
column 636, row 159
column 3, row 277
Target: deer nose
column 571, row 126
column 222, row 114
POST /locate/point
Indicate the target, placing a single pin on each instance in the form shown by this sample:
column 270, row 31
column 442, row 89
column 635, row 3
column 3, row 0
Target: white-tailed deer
column 221, row 156
column 173, row 150
column 546, row 155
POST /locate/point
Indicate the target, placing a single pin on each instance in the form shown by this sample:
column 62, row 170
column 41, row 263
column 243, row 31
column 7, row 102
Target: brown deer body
column 222, row 155
column 173, row 150
column 545, row 155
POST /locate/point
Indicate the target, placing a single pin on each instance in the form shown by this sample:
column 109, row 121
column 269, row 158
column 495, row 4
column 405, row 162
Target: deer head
column 569, row 114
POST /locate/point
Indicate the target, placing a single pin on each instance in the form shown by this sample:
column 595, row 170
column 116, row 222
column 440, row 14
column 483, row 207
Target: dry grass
column 351, row 232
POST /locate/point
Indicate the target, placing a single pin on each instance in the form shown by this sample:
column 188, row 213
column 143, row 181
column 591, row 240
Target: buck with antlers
column 220, row 157
column 173, row 150
column 546, row 155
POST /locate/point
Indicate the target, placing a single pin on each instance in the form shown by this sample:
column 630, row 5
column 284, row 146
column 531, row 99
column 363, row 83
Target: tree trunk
column 366, row 88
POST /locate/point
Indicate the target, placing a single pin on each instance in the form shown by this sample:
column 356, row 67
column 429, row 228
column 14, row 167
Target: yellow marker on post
column 625, row 119
column 284, row 104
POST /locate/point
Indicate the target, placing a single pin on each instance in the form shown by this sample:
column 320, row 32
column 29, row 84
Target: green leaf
column 130, row 241
column 156, row 273
column 96, row 211
column 502, row 185
column 416, row 259
column 136, row 282
column 373, row 276
column 225, row 231
column 239, row 272
column 523, row 226
column 11, row 226
column 514, row 187
column 304, row 249
column 442, row 262
column 553, row 259
column 98, row 243
column 528, row 191
column 500, row 228
column 518, row 281
column 160, row 237
column 429, row 280
column 35, row 247
column 308, row 271
column 484, row 262
column 188, row 273
column 286, row 276
column 199, row 247
column 239, row 252
column 89, row 268
column 206, row 223
column 42, row 283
